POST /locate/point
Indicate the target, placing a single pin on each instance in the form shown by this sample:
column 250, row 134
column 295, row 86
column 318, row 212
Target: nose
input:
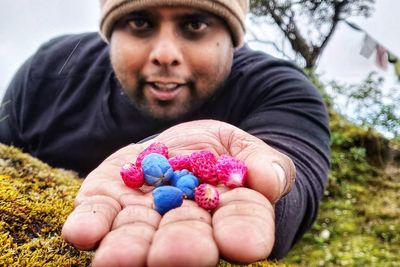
column 166, row 51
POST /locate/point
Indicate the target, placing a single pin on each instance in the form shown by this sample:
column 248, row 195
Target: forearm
column 296, row 212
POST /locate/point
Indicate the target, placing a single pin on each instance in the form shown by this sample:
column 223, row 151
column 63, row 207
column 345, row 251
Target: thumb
column 270, row 172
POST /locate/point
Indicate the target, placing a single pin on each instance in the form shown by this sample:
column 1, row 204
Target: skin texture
column 182, row 46
column 193, row 50
column 121, row 221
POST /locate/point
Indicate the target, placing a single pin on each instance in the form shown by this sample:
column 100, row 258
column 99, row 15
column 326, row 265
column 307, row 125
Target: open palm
column 127, row 231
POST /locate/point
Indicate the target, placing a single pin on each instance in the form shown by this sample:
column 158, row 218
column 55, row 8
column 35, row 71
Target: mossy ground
column 34, row 202
column 359, row 219
column 359, row 228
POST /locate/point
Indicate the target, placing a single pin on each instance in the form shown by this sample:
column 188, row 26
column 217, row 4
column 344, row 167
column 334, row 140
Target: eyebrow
column 191, row 15
column 138, row 14
column 196, row 15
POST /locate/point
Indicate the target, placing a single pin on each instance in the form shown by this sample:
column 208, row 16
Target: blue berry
column 188, row 183
column 166, row 198
column 178, row 174
column 156, row 169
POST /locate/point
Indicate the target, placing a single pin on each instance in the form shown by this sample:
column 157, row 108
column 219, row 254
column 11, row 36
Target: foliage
column 308, row 25
column 315, row 79
column 368, row 105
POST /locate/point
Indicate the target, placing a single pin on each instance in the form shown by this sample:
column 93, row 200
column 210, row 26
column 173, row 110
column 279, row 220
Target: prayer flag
column 381, row 57
column 397, row 68
column 369, row 46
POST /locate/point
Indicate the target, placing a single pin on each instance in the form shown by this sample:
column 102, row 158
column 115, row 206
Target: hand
column 128, row 232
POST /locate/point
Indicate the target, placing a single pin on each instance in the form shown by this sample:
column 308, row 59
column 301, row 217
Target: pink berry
column 206, row 196
column 156, row 147
column 231, row 172
column 180, row 162
column 132, row 175
column 203, row 166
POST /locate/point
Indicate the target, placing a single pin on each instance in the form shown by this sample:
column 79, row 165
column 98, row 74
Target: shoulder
column 69, row 54
column 260, row 74
column 260, row 65
column 70, row 66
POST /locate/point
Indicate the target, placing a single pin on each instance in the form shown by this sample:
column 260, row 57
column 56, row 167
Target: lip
column 164, row 91
column 161, row 80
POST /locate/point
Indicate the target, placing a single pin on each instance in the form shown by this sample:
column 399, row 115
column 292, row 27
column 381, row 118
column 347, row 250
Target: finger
column 184, row 238
column 244, row 226
column 98, row 202
column 129, row 241
column 270, row 172
column 90, row 221
column 271, row 175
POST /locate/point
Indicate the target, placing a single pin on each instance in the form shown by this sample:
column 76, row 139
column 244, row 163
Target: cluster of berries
column 192, row 176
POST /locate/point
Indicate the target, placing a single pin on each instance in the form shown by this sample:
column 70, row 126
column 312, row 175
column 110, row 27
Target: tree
column 308, row 25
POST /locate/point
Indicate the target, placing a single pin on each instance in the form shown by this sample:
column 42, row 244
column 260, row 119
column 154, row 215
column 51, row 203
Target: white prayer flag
column 369, row 45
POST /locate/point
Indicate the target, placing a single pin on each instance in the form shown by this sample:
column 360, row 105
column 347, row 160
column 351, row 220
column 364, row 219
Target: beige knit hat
column 232, row 11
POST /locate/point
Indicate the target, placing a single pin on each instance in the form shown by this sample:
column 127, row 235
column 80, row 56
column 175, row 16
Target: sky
column 27, row 24
column 342, row 59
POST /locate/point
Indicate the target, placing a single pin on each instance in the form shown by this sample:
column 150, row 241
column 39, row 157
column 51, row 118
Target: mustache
column 164, row 72
column 160, row 76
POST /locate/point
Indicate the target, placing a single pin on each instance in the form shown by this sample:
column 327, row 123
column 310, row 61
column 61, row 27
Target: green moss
column 34, row 202
column 223, row 263
column 359, row 218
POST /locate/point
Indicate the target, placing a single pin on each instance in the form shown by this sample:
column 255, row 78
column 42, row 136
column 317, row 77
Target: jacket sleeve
column 20, row 106
column 11, row 121
column 288, row 114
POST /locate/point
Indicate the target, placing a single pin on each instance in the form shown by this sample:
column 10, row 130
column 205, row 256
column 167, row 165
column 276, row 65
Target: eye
column 196, row 26
column 139, row 24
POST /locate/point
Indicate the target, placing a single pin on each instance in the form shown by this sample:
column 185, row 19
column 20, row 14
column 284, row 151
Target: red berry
column 180, row 162
column 206, row 196
column 132, row 175
column 203, row 166
column 156, row 147
column 231, row 172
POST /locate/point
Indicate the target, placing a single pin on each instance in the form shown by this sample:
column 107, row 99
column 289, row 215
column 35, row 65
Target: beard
column 168, row 110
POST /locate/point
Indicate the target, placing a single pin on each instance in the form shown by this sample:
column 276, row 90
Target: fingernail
column 280, row 173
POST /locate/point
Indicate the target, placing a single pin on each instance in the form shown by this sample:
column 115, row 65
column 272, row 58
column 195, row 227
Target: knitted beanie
column 233, row 12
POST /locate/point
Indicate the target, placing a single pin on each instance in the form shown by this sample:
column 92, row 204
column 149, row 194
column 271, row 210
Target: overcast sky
column 28, row 23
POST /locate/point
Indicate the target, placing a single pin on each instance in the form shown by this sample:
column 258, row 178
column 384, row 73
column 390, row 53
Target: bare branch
column 257, row 39
column 309, row 39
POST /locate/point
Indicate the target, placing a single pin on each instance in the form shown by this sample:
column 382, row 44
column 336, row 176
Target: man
column 178, row 71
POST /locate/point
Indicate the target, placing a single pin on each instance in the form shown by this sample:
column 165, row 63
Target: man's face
column 169, row 61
